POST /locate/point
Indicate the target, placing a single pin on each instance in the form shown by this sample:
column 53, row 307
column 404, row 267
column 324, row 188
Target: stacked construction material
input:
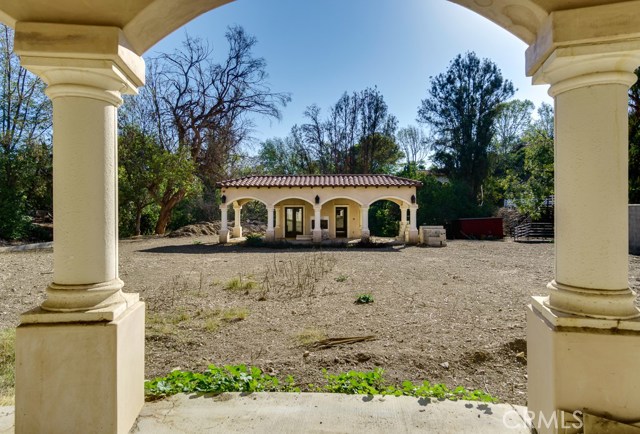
column 433, row 236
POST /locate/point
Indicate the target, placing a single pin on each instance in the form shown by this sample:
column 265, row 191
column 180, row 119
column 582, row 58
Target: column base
column 223, row 236
column 578, row 364
column 270, row 235
column 80, row 377
column 237, row 232
column 594, row 303
column 317, row 236
column 413, row 236
column 365, row 235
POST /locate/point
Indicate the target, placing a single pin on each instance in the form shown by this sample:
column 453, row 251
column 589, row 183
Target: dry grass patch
column 296, row 277
column 7, row 366
column 310, row 336
column 241, row 284
column 234, row 314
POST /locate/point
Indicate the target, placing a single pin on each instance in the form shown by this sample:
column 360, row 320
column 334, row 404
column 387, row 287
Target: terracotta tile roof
column 319, row 181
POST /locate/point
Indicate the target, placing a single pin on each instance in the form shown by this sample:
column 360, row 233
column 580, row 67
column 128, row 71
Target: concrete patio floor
column 317, row 413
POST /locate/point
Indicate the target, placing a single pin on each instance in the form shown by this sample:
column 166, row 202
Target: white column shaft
column 413, row 217
column 224, row 223
column 270, row 219
column 237, row 210
column 364, row 214
column 591, row 188
column 84, row 191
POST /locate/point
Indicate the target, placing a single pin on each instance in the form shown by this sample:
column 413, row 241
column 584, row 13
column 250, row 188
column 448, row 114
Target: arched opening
column 293, row 218
column 386, row 219
column 249, row 217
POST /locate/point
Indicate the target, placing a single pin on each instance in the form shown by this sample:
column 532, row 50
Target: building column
column 271, row 233
column 413, row 224
column 237, row 223
column 223, row 234
column 80, row 355
column 403, row 221
column 364, row 216
column 584, row 338
column 317, row 231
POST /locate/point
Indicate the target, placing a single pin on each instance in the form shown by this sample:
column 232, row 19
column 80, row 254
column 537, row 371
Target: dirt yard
column 454, row 315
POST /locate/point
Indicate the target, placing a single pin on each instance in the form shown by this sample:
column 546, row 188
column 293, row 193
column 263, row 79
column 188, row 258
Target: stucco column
column 413, row 224
column 80, row 356
column 223, row 234
column 364, row 217
column 271, row 234
column 583, row 339
column 403, row 220
column 237, row 224
column 317, row 230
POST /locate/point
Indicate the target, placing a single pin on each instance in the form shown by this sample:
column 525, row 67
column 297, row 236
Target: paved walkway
column 274, row 413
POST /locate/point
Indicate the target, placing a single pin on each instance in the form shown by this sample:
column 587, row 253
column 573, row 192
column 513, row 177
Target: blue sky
column 318, row 49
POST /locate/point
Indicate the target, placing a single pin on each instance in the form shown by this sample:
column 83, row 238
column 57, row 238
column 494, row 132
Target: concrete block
column 580, row 369
column 80, row 377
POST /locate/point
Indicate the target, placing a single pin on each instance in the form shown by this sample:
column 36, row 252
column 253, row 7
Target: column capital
column 77, row 60
column 597, row 30
column 572, row 68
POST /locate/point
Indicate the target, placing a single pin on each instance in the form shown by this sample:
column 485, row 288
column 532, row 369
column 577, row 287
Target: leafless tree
column 414, row 143
column 205, row 107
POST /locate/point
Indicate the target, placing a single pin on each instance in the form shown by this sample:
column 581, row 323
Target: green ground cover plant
column 7, row 366
column 364, row 299
column 240, row 378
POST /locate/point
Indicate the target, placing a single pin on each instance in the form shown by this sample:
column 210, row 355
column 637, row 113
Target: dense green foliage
column 634, row 142
column 241, row 378
column 461, row 108
column 25, row 144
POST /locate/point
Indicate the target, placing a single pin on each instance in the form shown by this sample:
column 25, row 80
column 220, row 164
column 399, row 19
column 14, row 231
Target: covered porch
column 340, row 203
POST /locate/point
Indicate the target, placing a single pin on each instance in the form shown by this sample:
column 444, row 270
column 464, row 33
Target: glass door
column 293, row 221
column 341, row 222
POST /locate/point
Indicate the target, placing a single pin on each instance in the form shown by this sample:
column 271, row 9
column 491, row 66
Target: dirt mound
column 212, row 228
column 196, row 230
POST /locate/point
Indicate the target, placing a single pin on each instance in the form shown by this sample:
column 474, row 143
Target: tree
column 201, row 110
column 461, row 108
column 358, row 136
column 511, row 122
column 414, row 144
column 25, row 143
column 634, row 142
column 137, row 152
column 529, row 188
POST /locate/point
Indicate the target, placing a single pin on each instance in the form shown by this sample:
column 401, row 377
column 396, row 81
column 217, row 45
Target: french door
column 293, row 221
column 341, row 222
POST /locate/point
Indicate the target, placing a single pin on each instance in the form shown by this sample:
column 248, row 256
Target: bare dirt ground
column 454, row 315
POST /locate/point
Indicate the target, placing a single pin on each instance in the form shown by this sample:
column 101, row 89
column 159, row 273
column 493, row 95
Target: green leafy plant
column 341, row 278
column 237, row 378
column 7, row 366
column 354, row 382
column 241, row 378
column 364, row 299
